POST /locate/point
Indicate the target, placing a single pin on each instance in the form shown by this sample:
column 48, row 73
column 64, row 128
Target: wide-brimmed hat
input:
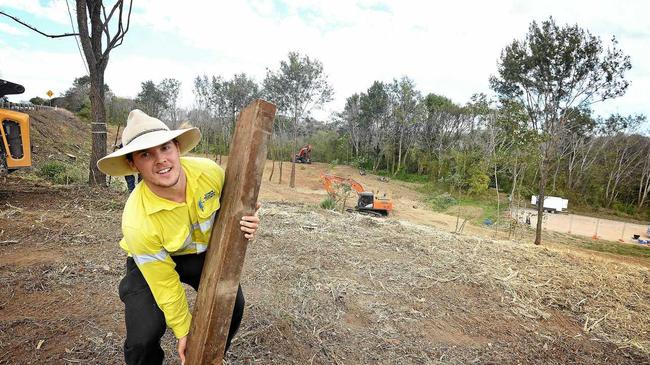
column 142, row 132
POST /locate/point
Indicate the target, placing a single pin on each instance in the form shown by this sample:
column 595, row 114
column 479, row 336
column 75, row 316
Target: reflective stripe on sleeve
column 206, row 225
column 193, row 247
column 145, row 258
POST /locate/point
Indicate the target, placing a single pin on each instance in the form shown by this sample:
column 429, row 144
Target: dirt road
column 600, row 228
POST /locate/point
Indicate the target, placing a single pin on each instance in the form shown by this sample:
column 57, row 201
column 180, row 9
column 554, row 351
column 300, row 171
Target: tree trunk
column 557, row 170
column 496, row 185
column 399, row 153
column 644, row 183
column 540, row 201
column 515, row 174
column 376, row 163
column 292, row 180
column 91, row 42
column 98, row 127
column 271, row 147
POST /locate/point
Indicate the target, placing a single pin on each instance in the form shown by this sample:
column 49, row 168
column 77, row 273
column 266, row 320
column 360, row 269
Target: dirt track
column 606, row 229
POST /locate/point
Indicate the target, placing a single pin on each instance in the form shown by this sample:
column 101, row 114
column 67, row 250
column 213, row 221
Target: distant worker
column 166, row 227
column 304, row 155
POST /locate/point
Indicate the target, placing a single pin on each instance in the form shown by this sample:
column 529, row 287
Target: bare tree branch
column 36, row 30
column 121, row 31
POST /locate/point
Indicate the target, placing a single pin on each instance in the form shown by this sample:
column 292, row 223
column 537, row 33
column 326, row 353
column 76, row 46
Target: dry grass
column 341, row 288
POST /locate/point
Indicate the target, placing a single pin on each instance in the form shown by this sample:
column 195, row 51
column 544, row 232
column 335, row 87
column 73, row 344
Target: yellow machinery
column 15, row 151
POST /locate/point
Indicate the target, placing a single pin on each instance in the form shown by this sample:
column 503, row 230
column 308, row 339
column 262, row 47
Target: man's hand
column 182, row 344
column 249, row 223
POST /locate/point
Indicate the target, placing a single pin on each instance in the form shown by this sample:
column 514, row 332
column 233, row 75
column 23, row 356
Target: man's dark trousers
column 130, row 182
column 145, row 322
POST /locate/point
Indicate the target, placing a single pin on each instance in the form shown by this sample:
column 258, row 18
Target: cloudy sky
column 449, row 48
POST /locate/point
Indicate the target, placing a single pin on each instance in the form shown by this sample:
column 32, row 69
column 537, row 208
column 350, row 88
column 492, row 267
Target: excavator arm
column 368, row 202
column 330, row 180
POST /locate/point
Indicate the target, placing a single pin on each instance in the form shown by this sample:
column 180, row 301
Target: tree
column 623, row 156
column 351, row 117
column 77, row 97
column 151, row 99
column 375, row 106
column 118, row 109
column 551, row 71
column 78, row 94
column 37, row 100
column 407, row 111
column 239, row 92
column 297, row 87
column 443, row 127
column 221, row 101
column 94, row 23
column 170, row 88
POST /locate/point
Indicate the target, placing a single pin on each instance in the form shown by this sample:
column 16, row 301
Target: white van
column 552, row 204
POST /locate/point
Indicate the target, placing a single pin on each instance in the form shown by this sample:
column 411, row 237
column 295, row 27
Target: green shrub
column 478, row 183
column 60, row 173
column 627, row 209
column 442, row 201
column 328, row 203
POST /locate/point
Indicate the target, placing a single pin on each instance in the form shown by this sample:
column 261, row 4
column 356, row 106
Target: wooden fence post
column 225, row 256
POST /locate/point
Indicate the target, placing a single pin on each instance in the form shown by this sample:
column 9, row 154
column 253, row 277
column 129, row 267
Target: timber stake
column 225, row 256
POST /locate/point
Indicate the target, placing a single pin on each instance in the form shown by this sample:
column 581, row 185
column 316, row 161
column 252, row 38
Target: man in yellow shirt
column 166, row 227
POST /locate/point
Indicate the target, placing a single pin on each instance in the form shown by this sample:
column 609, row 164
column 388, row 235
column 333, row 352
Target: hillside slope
column 57, row 132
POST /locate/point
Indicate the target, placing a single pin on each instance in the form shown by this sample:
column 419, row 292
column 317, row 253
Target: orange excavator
column 368, row 202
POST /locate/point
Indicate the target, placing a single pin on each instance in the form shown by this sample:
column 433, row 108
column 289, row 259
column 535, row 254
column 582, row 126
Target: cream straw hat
column 142, row 132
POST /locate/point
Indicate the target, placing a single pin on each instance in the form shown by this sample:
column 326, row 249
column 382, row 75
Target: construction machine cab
column 15, row 151
column 366, row 198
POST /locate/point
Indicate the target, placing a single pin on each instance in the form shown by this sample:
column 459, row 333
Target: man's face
column 159, row 166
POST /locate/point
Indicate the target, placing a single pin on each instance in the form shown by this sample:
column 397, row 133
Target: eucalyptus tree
column 623, row 156
column 407, row 114
column 644, row 175
column 298, row 86
column 444, row 123
column 374, row 107
column 171, row 89
column 552, row 70
column 351, row 117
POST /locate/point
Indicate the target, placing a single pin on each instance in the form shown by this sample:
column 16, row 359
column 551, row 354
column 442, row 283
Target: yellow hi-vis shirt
column 155, row 228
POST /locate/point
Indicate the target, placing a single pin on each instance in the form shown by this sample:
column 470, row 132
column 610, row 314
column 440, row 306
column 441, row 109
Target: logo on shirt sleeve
column 209, row 195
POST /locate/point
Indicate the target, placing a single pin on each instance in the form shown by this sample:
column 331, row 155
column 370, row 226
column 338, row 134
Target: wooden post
column 225, row 256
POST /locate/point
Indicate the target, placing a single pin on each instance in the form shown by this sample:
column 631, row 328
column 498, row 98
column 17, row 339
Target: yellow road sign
column 49, row 93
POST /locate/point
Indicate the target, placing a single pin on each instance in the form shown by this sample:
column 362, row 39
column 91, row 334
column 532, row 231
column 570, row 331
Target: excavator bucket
column 10, row 88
